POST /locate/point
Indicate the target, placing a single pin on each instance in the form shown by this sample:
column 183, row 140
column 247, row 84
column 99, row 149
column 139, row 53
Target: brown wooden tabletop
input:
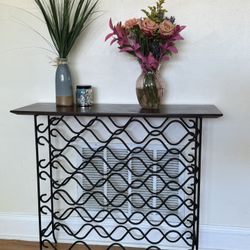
column 121, row 110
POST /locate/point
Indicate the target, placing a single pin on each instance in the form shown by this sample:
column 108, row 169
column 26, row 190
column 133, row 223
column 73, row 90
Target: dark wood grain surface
column 121, row 110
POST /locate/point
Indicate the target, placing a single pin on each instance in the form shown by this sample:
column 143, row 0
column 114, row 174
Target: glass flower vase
column 64, row 89
column 149, row 89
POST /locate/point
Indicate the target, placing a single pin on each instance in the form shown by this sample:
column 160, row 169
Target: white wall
column 213, row 67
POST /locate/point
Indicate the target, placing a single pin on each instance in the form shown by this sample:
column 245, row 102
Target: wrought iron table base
column 61, row 135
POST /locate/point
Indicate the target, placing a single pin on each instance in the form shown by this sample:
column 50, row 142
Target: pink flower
column 176, row 35
column 148, row 26
column 131, row 23
column 166, row 28
column 119, row 33
column 148, row 63
column 160, row 39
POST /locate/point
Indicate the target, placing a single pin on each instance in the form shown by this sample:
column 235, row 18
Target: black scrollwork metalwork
column 100, row 178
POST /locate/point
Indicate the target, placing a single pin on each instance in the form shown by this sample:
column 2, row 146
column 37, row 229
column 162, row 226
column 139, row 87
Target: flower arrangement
column 151, row 39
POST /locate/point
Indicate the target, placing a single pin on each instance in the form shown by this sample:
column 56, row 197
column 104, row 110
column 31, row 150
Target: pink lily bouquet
column 151, row 39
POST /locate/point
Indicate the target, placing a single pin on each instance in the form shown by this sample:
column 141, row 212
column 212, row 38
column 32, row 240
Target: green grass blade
column 65, row 20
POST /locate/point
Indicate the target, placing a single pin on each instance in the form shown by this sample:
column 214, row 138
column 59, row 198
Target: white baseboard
column 25, row 227
column 224, row 238
column 18, row 227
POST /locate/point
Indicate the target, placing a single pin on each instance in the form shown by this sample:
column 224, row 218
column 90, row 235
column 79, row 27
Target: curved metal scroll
column 131, row 201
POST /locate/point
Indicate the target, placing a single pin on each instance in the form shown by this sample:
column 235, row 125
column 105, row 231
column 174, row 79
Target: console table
column 119, row 176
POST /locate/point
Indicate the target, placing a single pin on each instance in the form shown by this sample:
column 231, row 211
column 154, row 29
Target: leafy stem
column 65, row 20
column 156, row 13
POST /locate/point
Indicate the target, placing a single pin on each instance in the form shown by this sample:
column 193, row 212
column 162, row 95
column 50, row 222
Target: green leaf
column 65, row 20
column 156, row 13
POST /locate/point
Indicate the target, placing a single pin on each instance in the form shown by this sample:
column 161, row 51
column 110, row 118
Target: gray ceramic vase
column 64, row 89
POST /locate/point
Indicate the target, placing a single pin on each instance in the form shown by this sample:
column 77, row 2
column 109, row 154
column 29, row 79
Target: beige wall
column 213, row 67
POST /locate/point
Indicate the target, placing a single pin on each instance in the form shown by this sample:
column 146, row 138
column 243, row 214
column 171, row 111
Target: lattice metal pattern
column 130, row 195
